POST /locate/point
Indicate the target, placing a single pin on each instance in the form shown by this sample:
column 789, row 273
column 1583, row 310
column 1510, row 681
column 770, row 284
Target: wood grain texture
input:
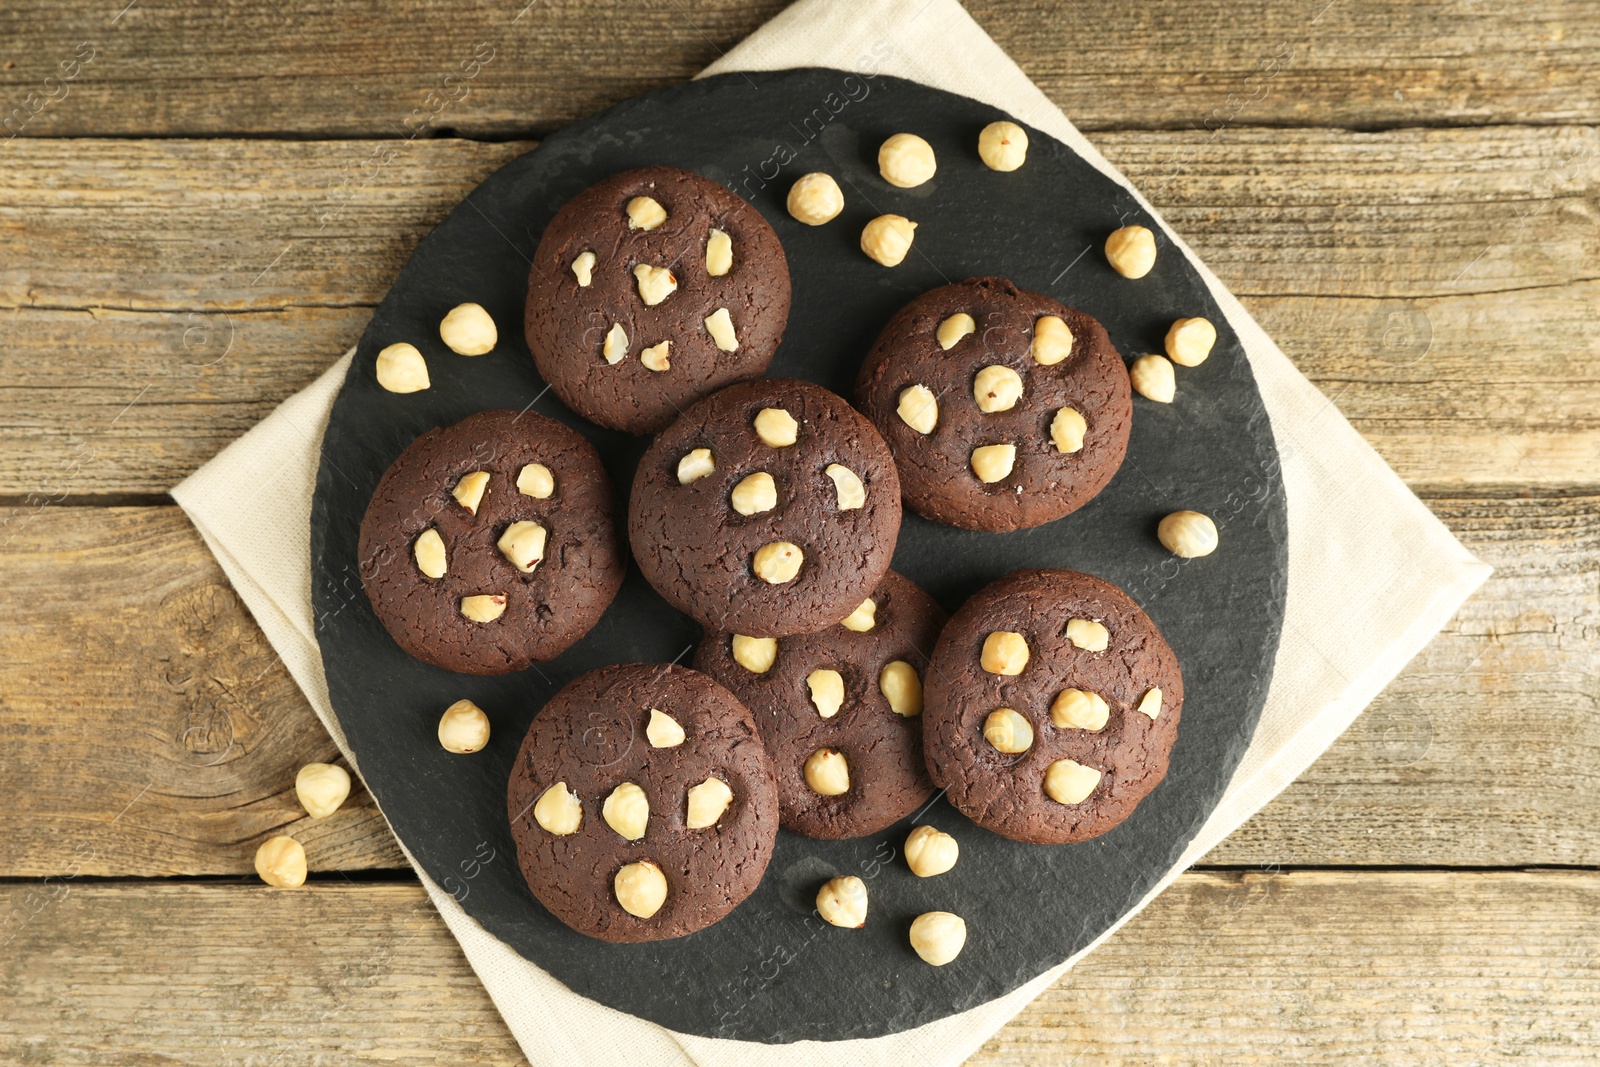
column 135, row 676
column 1382, row 968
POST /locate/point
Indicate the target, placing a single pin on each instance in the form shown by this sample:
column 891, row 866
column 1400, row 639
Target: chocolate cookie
column 1052, row 704
column 650, row 290
column 771, row 508
column 854, row 688
column 1004, row 409
column 642, row 803
column 491, row 544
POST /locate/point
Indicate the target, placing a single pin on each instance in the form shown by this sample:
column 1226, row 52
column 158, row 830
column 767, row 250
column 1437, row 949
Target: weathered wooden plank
column 508, row 67
column 1251, row 968
column 130, row 674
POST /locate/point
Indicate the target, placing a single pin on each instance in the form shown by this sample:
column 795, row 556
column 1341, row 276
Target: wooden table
column 203, row 202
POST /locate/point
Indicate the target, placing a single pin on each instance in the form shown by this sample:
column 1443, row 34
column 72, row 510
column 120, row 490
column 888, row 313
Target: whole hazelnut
column 281, row 861
column 842, row 902
column 463, row 728
column 1189, row 341
column 401, row 369
column 815, row 199
column 1003, row 145
column 931, row 851
column 887, row 239
column 1131, row 251
column 906, row 160
column 468, row 330
column 938, row 936
column 1188, row 534
column 321, row 788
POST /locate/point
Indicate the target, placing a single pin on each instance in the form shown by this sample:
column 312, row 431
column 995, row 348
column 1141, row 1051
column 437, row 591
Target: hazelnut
column 463, row 728
column 776, row 427
column 827, row 691
column 1078, row 709
column 754, row 494
column 558, row 810
column 1003, row 145
column 918, row 408
column 645, row 213
column 901, row 686
column 523, row 545
column 1067, row 782
column 535, row 480
column 663, row 730
column 627, row 811
column 887, row 239
column 997, row 389
column 938, row 936
column 1150, row 704
column 1188, row 534
column 1052, row 340
column 322, row 787
column 906, row 160
column 1131, row 251
column 641, row 889
column 847, row 488
column 720, row 326
column 429, row 551
column 842, row 902
column 583, row 268
column 815, row 199
column 470, row 489
column 993, row 463
column 1067, row 430
column 1189, row 341
column 695, row 464
column 828, row 772
column 1153, row 379
column 1008, row 731
column 468, row 330
column 755, row 654
column 655, row 357
column 863, row 619
column 1004, row 652
column 707, row 802
column 615, row 348
column 401, row 369
column 655, row 283
column 953, row 329
column 778, row 562
column 1088, row 635
column 931, row 851
column 485, row 607
column 719, row 253
column 281, row 861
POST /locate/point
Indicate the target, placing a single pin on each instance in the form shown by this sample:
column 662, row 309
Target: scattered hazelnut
column 996, row 389
column 615, row 348
column 321, row 787
column 1067, row 430
column 1189, row 341
column 627, row 811
column 778, row 562
column 663, row 730
column 463, row 728
column 887, row 239
column 719, row 253
column 1007, row 731
column 1131, row 251
column 281, row 861
column 523, row 545
column 901, row 686
column 938, row 936
column 655, row 283
column 707, row 802
column 641, row 889
column 906, row 160
column 754, row 494
column 863, row 619
column 720, row 326
column 931, row 851
column 470, row 489
column 827, row 691
column 828, row 772
column 1150, row 704
column 992, row 463
column 645, row 213
column 815, row 199
column 1188, row 534
column 1052, row 340
column 401, row 369
column 485, row 607
column 1070, row 783
column 1153, row 379
column 1004, row 652
column 842, row 902
column 918, row 408
column 1003, row 145
column 535, row 480
column 696, row 464
column 655, row 357
column 776, row 427
column 1088, row 635
column 755, row 654
column 1078, row 709
column 953, row 329
column 468, row 330
column 430, row 554
column 847, row 488
column 583, row 268
column 558, row 810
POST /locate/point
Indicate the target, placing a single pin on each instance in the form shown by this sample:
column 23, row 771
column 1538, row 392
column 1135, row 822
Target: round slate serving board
column 772, row 971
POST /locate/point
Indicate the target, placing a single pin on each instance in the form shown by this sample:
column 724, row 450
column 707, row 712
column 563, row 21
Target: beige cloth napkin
column 1364, row 551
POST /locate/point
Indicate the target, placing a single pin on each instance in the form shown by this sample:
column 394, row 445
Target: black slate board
column 771, row 971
